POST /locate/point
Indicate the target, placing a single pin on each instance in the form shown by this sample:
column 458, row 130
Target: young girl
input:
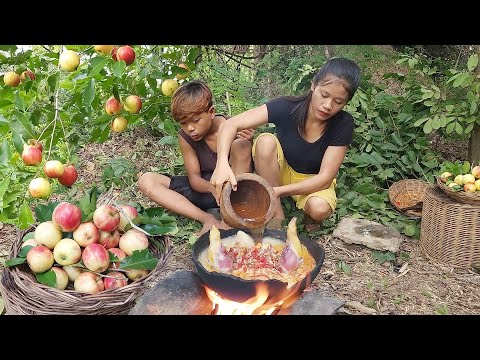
column 191, row 195
column 312, row 137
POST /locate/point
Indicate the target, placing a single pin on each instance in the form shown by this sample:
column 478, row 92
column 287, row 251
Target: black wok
column 237, row 289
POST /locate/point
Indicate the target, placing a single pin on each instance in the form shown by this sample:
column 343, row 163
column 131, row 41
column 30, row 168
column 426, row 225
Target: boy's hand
column 246, row 134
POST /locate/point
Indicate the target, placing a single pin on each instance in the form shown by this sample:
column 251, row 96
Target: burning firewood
column 216, row 254
column 292, row 255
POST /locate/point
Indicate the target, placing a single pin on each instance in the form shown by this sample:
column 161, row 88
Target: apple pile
column 85, row 259
column 469, row 182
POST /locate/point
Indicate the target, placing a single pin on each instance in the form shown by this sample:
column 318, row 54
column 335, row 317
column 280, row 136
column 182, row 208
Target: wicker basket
column 460, row 196
column 407, row 196
column 23, row 295
column 450, row 231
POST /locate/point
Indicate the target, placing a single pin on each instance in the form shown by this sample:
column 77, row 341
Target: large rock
column 180, row 294
column 368, row 233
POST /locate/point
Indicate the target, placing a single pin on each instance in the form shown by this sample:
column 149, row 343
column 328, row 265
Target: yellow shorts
column 290, row 176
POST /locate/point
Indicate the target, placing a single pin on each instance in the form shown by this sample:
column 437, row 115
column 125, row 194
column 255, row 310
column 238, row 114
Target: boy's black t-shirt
column 302, row 156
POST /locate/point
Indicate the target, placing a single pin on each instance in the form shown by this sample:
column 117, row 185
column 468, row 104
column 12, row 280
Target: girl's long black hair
column 342, row 68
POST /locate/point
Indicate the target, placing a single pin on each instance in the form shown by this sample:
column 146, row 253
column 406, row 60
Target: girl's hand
column 246, row 134
column 220, row 176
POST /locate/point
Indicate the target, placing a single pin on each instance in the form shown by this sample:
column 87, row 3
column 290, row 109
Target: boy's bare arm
column 192, row 166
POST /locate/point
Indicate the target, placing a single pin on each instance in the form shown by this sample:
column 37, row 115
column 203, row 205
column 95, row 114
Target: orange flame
column 253, row 306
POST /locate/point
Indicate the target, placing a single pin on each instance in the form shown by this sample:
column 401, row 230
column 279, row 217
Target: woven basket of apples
column 461, row 183
column 90, row 259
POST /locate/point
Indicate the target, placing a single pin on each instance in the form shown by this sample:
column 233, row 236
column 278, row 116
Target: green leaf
column 52, row 82
column 48, row 278
column 18, row 142
column 397, row 139
column 450, row 128
column 458, row 128
column 44, row 212
column 472, row 62
column 19, row 102
column 343, row 266
column 419, row 122
column 28, row 236
column 466, row 167
column 153, row 229
column 17, row 260
column 89, row 93
column 98, row 63
column 25, row 218
column 118, row 68
column 435, row 123
column 5, row 153
column 459, row 80
column 3, row 188
column 409, row 230
column 380, row 257
column 427, row 128
column 140, row 259
column 473, row 107
column 88, row 203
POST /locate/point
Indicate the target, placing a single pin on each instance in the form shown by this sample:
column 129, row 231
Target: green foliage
column 119, row 172
column 380, row 257
column 140, row 259
column 65, row 110
column 48, row 278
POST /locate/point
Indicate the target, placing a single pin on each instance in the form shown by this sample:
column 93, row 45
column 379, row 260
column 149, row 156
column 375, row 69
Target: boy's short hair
column 190, row 99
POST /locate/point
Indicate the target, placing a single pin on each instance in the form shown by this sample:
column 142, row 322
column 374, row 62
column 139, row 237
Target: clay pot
column 251, row 206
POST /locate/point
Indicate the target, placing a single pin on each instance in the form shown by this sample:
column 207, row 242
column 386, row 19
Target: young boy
column 191, row 195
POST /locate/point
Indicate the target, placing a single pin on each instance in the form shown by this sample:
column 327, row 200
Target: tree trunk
column 329, row 53
column 474, row 144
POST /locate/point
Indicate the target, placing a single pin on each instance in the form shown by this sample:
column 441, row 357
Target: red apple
column 476, row 172
column 131, row 212
column 133, row 104
column 106, row 218
column 53, row 168
column 40, row 259
column 11, row 78
column 48, row 234
column 61, row 278
column 120, row 254
column 126, row 53
column 89, row 282
column 39, row 188
column 135, row 274
column 109, row 239
column 115, row 280
column 86, row 234
column 26, row 73
column 67, row 252
column 114, row 53
column 31, row 155
column 103, row 49
column 119, row 124
column 95, row 257
column 469, row 187
column 36, row 143
column 67, row 216
column 113, row 106
column 72, row 272
column 133, row 240
column 69, row 176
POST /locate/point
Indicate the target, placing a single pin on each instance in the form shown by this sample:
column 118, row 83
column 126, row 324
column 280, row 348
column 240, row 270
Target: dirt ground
column 422, row 286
